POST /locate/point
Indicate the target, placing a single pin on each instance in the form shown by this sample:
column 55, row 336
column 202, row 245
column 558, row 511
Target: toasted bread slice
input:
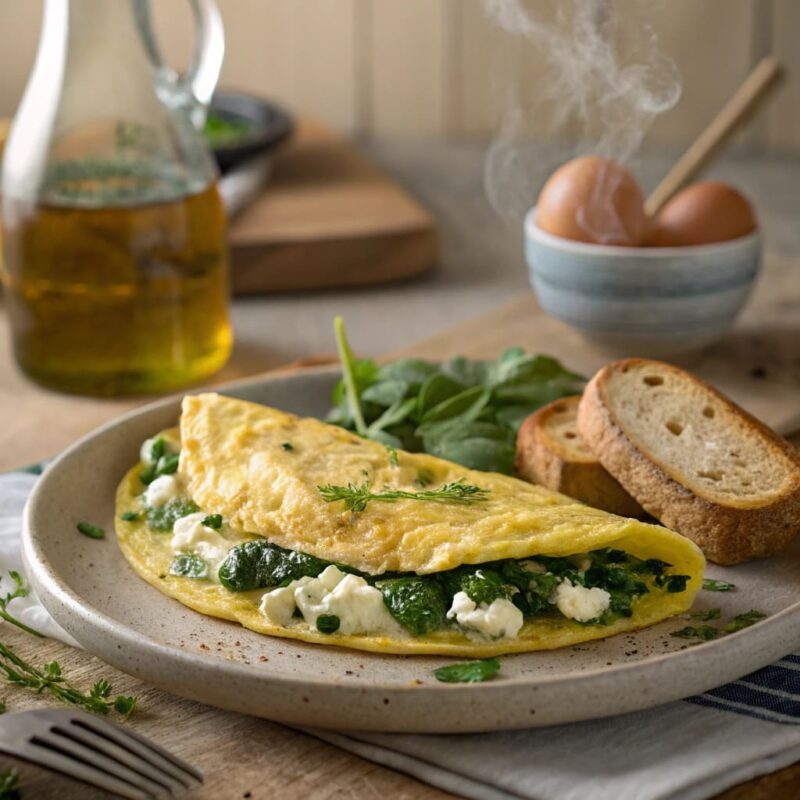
column 550, row 452
column 693, row 459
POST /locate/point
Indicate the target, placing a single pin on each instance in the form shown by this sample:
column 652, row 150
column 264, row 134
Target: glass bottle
column 115, row 265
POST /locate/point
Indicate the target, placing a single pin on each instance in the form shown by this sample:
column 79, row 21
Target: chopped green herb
column 19, row 590
column 468, row 672
column 356, row 498
column 328, row 623
column 394, row 458
column 158, row 448
column 9, row 785
column 189, row 565
column 213, row 521
column 710, row 585
column 129, row 516
column 92, row 531
column 288, row 446
column 741, row 621
column 165, row 465
column 164, row 517
column 705, row 616
column 124, row 705
column 705, row 632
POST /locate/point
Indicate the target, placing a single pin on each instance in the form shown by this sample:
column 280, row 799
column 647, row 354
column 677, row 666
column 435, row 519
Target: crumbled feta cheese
column 501, row 619
column 358, row 605
column 190, row 535
column 580, row 603
column 162, row 490
column 278, row 605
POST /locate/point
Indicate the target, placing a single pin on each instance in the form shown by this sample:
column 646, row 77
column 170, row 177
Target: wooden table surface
column 758, row 364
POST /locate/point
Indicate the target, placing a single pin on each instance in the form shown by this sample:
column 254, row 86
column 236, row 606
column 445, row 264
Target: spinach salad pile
column 462, row 410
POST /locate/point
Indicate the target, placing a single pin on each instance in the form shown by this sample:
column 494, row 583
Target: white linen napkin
column 690, row 749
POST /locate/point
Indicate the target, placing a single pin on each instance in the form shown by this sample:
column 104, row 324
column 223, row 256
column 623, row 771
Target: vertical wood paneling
column 441, row 68
column 784, row 115
column 410, row 57
column 711, row 42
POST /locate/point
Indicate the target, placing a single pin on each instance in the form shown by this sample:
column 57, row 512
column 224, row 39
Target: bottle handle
column 196, row 85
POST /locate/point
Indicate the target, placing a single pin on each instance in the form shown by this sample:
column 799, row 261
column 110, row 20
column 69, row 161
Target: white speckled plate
column 92, row 592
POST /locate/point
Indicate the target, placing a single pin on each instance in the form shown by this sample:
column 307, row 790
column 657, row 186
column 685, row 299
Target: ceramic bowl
column 642, row 301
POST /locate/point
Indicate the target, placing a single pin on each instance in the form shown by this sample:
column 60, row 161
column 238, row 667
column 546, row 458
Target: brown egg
column 593, row 199
column 702, row 213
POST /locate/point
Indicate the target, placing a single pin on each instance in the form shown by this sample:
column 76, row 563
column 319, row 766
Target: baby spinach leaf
column 189, row 565
column 413, row 371
column 385, row 393
column 394, row 414
column 436, row 389
column 468, row 672
column 162, row 519
column 257, row 564
column 466, row 371
column 417, row 603
column 467, row 404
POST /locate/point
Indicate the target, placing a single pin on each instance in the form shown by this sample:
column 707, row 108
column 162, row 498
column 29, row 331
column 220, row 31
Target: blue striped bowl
column 648, row 301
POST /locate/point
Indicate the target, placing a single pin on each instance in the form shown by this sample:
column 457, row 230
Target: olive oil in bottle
column 119, row 299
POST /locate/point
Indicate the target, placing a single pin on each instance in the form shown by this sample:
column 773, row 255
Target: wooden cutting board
column 328, row 218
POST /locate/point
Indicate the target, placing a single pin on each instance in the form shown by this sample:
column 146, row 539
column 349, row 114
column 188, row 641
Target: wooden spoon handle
column 757, row 85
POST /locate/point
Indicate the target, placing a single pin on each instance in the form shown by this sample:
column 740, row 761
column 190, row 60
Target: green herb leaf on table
column 468, row 672
column 710, row 585
column 92, row 531
column 356, row 498
column 707, row 632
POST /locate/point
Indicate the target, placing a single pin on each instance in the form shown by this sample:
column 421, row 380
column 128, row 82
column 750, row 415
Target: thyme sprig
column 356, row 497
column 20, row 590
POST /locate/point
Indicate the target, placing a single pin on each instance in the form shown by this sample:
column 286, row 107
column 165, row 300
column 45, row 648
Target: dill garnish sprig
column 356, row 497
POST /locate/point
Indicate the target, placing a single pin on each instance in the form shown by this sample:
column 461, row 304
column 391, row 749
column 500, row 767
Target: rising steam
column 597, row 86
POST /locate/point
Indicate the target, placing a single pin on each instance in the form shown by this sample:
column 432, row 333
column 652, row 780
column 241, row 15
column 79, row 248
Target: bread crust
column 541, row 460
column 726, row 534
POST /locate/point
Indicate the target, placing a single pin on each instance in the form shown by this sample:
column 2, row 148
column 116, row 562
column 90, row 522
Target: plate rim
column 55, row 593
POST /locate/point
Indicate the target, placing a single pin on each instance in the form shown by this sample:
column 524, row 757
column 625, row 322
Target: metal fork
column 97, row 752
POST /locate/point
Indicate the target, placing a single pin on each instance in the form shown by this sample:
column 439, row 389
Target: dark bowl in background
column 264, row 126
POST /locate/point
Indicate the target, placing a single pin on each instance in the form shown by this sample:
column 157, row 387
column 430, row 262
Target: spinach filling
column 420, row 602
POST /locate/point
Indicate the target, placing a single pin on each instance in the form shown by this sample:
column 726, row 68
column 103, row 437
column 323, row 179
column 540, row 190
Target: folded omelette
column 300, row 529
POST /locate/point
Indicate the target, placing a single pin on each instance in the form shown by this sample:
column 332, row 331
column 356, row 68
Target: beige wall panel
column 784, row 115
column 301, row 52
column 711, row 42
column 298, row 52
column 19, row 35
column 412, row 55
